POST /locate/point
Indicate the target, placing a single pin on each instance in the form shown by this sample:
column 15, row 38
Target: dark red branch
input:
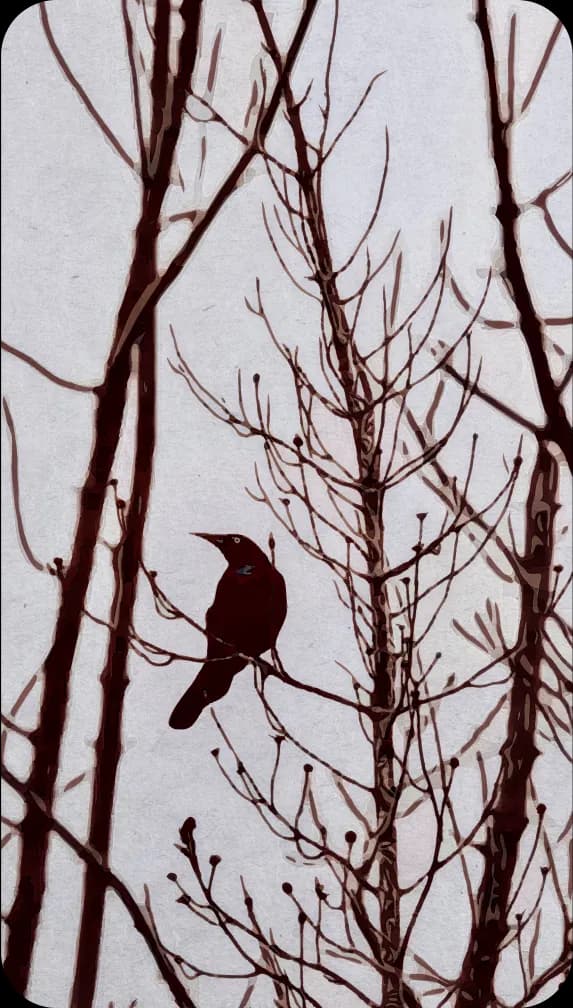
column 384, row 940
column 509, row 813
column 33, row 363
column 81, row 92
column 112, row 882
column 140, row 297
column 23, row 917
column 114, row 681
column 128, row 554
column 130, row 331
column 558, row 427
column 14, row 470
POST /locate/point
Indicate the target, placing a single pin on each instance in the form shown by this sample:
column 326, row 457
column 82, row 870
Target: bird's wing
column 246, row 615
column 279, row 606
column 220, row 621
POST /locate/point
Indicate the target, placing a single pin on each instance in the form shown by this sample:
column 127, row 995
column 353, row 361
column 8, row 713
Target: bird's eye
column 236, row 539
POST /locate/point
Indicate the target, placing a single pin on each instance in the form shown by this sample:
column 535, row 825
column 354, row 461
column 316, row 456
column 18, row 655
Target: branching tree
column 538, row 575
column 377, row 474
column 133, row 346
column 363, row 397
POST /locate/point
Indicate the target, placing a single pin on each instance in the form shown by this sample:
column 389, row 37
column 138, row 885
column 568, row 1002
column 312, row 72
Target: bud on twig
column 186, row 831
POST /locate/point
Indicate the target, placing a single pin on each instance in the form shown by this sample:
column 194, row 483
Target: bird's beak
column 215, row 540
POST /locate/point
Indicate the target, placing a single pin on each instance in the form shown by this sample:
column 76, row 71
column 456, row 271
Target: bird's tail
column 213, row 681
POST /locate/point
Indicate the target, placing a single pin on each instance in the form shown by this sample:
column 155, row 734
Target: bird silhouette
column 243, row 622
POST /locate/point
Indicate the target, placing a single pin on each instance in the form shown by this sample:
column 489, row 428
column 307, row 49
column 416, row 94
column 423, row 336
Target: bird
column 244, row 621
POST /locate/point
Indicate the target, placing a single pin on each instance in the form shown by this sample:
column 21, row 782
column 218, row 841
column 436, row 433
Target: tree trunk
column 135, row 311
column 384, row 940
column 164, row 134
column 508, row 818
column 558, row 427
column 114, row 680
column 23, row 918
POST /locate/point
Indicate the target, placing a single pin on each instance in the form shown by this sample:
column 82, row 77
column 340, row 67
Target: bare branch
column 23, row 538
column 33, row 363
column 113, row 882
column 81, row 93
column 542, row 66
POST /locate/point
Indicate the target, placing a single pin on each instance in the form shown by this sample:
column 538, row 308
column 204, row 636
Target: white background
column 69, row 209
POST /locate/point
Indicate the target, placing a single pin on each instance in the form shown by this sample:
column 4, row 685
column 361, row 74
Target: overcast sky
column 70, row 206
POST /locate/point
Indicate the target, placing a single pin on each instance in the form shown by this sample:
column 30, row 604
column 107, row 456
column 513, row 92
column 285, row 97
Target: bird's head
column 237, row 549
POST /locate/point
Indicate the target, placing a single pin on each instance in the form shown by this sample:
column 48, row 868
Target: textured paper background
column 69, row 209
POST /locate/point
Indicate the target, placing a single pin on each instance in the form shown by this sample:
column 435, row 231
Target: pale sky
column 69, row 208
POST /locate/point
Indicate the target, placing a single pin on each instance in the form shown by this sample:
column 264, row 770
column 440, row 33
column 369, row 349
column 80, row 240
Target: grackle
column 248, row 611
